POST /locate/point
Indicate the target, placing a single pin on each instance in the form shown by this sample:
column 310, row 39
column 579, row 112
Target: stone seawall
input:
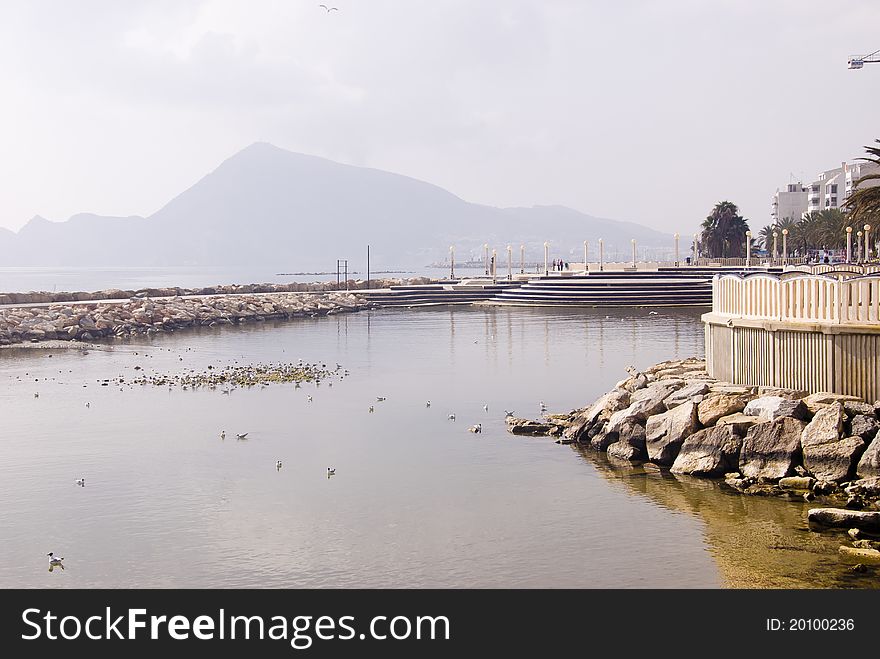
column 759, row 440
column 86, row 321
column 43, row 297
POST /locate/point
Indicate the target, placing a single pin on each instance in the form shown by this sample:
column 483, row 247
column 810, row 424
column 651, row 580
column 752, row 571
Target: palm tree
column 724, row 232
column 864, row 202
column 765, row 238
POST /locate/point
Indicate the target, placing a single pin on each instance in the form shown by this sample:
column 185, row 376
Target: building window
column 834, row 188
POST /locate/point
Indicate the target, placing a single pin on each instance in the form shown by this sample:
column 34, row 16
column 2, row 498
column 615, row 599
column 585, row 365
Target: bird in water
column 55, row 561
column 428, row 404
column 451, row 417
column 653, row 313
column 241, row 435
column 508, row 413
column 371, row 409
column 278, row 464
column 476, row 428
column 331, row 471
column 89, row 404
column 37, row 394
column 380, row 398
column 486, row 408
column 222, row 434
column 310, row 398
column 81, row 482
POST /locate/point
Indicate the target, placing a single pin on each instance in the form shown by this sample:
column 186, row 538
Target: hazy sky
column 629, row 109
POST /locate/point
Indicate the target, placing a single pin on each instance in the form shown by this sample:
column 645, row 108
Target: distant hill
column 272, row 206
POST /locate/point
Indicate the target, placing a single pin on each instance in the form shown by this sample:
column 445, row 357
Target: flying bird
column 329, row 9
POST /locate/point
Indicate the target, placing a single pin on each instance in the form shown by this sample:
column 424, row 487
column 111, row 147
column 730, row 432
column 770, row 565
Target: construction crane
column 859, row 61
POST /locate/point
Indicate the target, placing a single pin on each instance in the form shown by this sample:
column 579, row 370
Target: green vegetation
column 724, row 232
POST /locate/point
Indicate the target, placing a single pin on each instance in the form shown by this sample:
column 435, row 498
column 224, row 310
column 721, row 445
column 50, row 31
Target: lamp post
column 849, row 244
column 522, row 259
column 867, row 242
column 676, row 249
column 546, row 258
column 486, row 256
column 775, row 253
column 784, row 246
column 586, row 249
column 494, row 265
column 696, row 248
column 509, row 264
column 601, row 255
column 858, row 247
column 633, row 241
column 748, row 249
column 452, row 261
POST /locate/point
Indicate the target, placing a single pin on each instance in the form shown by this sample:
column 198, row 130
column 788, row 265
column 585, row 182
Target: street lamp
column 867, row 242
column 494, row 264
column 784, row 246
column 486, row 250
column 775, row 253
column 452, row 261
column 601, row 255
column 522, row 259
column 586, row 262
column 849, row 244
column 748, row 249
column 676, row 249
column 509, row 264
column 546, row 258
column 633, row 241
column 696, row 248
column 859, row 247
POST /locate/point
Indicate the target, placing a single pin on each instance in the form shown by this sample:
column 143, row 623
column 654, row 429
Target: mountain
column 298, row 212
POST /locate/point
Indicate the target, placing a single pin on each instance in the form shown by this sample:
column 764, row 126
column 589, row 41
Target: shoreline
column 674, row 418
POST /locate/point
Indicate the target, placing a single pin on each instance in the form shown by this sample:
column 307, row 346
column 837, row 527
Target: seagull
column 222, row 434
column 371, row 409
column 89, row 404
column 428, row 404
column 331, row 471
column 476, row 428
column 55, row 561
column 508, row 413
column 451, row 417
column 380, row 398
column 37, row 395
column 278, row 464
column 329, row 9
column 486, row 408
column 310, row 398
column 81, row 482
column 241, row 435
column 653, row 313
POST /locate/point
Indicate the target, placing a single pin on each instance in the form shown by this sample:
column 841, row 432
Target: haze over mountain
column 298, row 212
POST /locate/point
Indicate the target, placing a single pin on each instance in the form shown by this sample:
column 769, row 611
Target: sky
column 647, row 111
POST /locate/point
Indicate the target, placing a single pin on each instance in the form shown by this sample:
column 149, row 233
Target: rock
column 630, row 444
column 826, row 455
column 714, row 407
column 866, row 544
column 666, row 432
column 739, row 422
column 762, row 490
column 599, row 412
column 815, row 402
column 869, row 487
column 825, row 487
column 688, row 392
column 636, row 382
column 709, row 452
column 861, row 555
column 792, row 394
column 841, row 518
column 771, row 450
column 528, row 427
column 770, row 408
column 854, row 407
column 869, row 464
column 797, row 483
column 862, row 425
column 731, row 389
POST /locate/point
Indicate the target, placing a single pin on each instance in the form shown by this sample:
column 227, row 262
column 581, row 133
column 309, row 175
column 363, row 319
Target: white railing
column 800, row 298
column 846, row 268
column 754, row 262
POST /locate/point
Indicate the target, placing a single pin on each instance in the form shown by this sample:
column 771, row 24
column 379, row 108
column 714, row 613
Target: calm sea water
column 416, row 501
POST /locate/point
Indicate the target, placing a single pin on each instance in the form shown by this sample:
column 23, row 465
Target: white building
column 834, row 186
column 791, row 202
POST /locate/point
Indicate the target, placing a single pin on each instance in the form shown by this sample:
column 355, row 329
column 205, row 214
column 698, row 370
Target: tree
column 864, row 202
column 724, row 232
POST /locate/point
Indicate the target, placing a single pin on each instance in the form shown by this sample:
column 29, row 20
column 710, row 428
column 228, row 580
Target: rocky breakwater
column 89, row 321
column 759, row 440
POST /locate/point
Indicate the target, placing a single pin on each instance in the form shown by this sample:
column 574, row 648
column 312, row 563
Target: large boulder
column 771, row 450
column 869, row 464
column 709, row 452
column 826, row 455
column 718, row 405
column 770, row 408
column 739, row 422
column 694, row 390
column 630, row 444
column 793, row 394
column 666, row 432
column 862, row 425
column 842, row 518
column 598, row 412
column 818, row 400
